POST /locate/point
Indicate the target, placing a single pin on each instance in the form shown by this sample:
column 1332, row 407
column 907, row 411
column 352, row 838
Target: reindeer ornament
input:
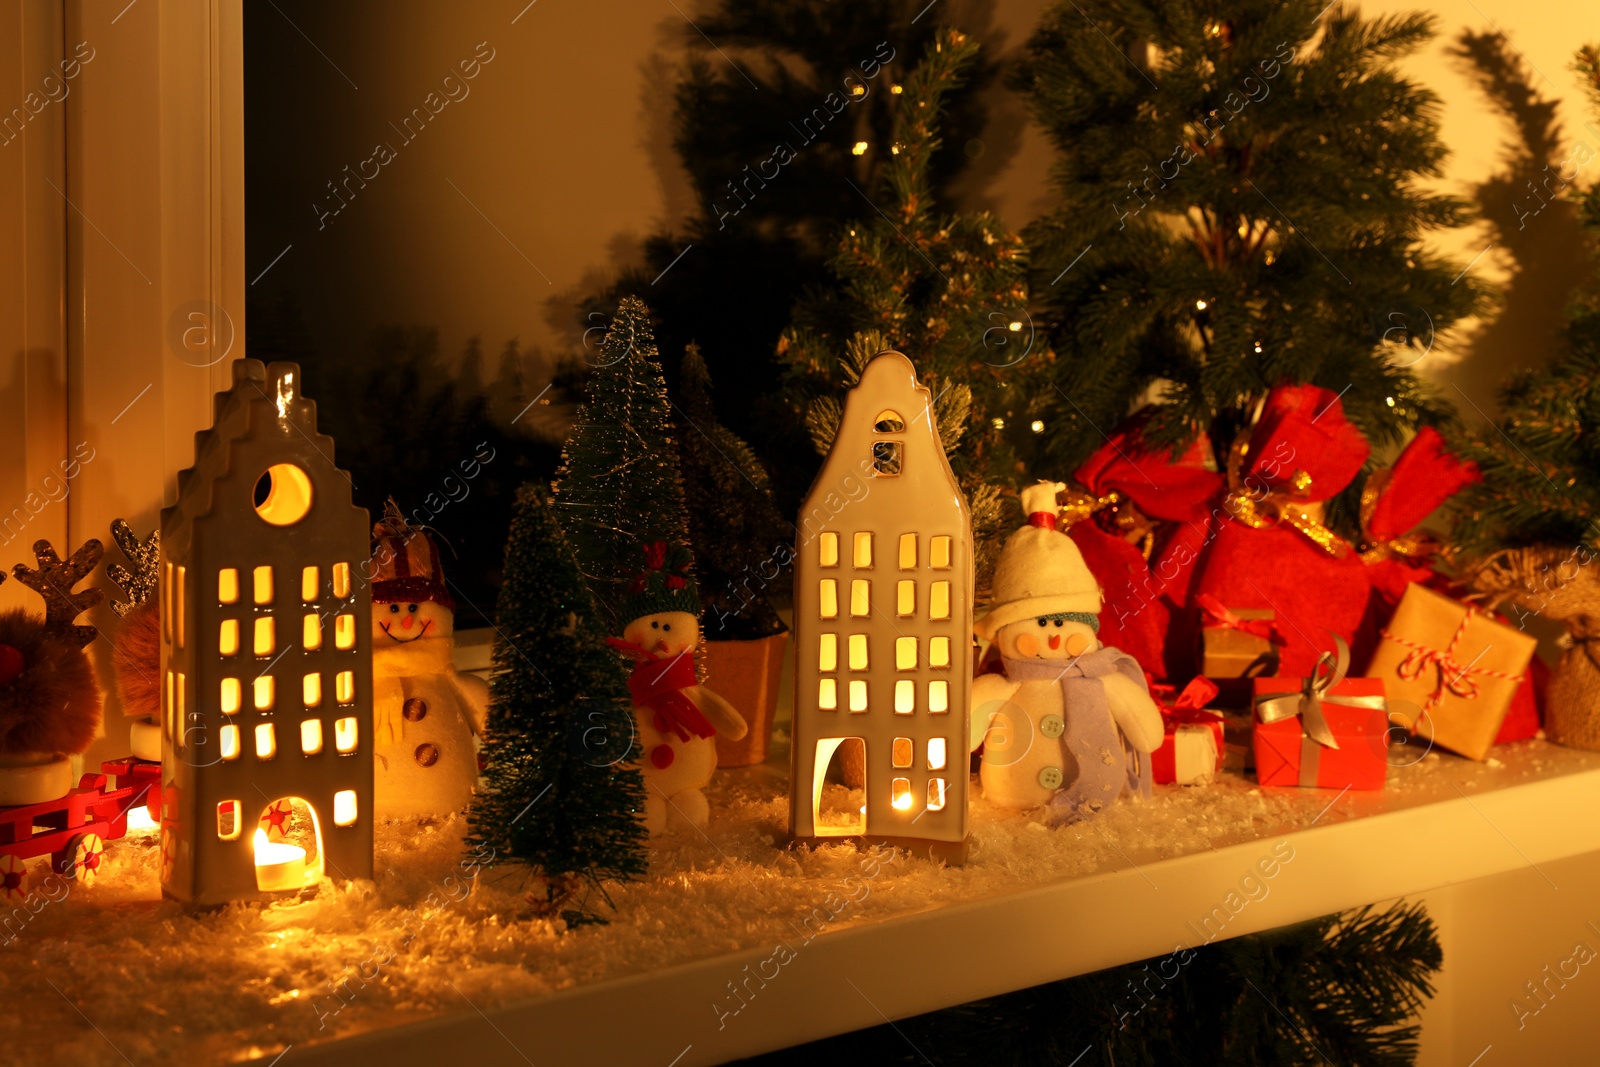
column 49, row 700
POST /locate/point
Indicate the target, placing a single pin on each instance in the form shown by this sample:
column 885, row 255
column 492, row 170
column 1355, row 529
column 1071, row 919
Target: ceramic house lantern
column 883, row 623
column 266, row 652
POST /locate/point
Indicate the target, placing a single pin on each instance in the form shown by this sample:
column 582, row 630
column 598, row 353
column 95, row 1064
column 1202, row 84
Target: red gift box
column 1324, row 731
column 1191, row 751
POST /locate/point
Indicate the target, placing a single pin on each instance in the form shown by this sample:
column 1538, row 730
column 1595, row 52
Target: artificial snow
column 111, row 973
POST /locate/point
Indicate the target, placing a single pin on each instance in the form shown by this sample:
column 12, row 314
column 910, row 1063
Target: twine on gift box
column 1454, row 677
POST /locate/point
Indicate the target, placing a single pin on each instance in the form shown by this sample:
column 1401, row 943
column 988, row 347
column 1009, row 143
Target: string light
column 858, row 90
column 860, row 149
column 1037, row 426
column 1389, row 400
column 1015, row 327
column 1199, row 305
column 1258, row 346
column 897, row 89
column 998, row 423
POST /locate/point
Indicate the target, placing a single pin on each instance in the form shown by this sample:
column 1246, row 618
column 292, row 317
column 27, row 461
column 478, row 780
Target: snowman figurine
column 426, row 716
column 675, row 717
column 1070, row 724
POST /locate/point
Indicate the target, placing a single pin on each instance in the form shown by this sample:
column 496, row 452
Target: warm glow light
column 289, row 497
column 261, row 580
column 308, row 583
column 828, row 550
column 896, row 90
column 1199, row 305
column 139, row 820
column 344, row 734
column 901, row 791
column 1015, row 327
column 344, row 807
column 828, row 595
column 344, row 632
column 279, row 866
column 858, row 652
column 998, row 423
column 1037, row 426
column 858, row 90
column 228, row 639
column 860, row 149
column 828, row 653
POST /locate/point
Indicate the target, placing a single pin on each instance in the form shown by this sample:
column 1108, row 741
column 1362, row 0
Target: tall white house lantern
column 883, row 623
column 266, row 652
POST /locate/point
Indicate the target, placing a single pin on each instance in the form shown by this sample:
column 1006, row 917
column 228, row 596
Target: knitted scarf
column 657, row 684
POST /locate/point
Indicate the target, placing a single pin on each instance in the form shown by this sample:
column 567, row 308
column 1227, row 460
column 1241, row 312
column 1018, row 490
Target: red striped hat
column 405, row 562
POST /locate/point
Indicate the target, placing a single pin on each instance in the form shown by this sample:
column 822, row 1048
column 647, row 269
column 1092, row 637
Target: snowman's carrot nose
column 405, row 623
column 1055, row 641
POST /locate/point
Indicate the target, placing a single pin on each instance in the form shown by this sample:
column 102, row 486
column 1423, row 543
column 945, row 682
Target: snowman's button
column 427, row 754
column 1050, row 777
column 662, row 756
column 1052, row 726
column 414, row 709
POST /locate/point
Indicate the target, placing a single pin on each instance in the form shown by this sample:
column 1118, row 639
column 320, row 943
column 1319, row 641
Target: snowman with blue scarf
column 1070, row 724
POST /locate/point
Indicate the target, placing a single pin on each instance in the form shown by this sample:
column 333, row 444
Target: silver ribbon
column 1306, row 703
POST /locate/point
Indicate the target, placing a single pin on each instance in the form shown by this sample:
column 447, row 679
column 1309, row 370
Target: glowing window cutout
column 344, row 807
column 171, row 720
column 182, row 715
column 935, row 794
column 344, row 687
column 900, row 793
column 939, row 601
column 228, row 824
column 860, row 598
column 905, row 653
column 228, row 638
column 228, row 585
column 827, row 694
column 908, row 552
column 858, row 652
column 344, row 632
column 905, row 696
column 341, row 580
column 939, row 552
column 828, row 550
column 263, row 690
column 311, row 689
column 936, row 755
column 266, row 741
column 344, row 734
column 166, row 603
column 266, row 637
column 858, row 696
column 828, row 595
column 938, row 652
column 230, row 741
column 230, row 695
column 862, row 550
column 288, row 494
column 903, row 752
column 888, row 421
column 261, row 581
column 310, row 736
column 177, row 605
column 906, row 598
column 311, row 633
column 938, row 696
column 828, row 652
column 309, row 581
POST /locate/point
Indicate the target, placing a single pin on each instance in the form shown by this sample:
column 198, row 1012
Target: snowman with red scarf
column 676, row 718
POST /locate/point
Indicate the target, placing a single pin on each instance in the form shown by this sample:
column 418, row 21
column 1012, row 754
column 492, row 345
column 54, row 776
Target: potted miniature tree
column 742, row 549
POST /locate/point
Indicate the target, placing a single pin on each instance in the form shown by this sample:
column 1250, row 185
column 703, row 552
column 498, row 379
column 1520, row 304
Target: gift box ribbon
column 1306, row 703
column 1219, row 617
column 1454, row 677
column 1188, row 707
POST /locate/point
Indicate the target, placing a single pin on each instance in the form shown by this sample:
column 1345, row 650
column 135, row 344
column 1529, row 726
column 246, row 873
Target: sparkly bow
column 1277, row 506
column 1454, row 678
column 1306, row 704
column 1218, row 616
column 1189, row 706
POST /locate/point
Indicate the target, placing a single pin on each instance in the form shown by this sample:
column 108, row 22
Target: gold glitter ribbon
column 1277, row 507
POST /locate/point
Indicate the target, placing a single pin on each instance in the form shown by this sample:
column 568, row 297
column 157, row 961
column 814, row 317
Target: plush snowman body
column 1070, row 723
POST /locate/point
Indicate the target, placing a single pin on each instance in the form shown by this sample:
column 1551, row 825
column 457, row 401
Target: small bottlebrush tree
column 1242, row 203
column 619, row 484
column 561, row 797
column 741, row 542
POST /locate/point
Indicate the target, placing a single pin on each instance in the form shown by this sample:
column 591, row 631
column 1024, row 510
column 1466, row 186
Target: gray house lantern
column 266, row 653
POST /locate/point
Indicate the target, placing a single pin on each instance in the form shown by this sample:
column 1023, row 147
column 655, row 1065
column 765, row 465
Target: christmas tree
column 619, row 485
column 1240, row 206
column 949, row 290
column 767, row 126
column 561, row 796
column 741, row 542
column 1540, row 462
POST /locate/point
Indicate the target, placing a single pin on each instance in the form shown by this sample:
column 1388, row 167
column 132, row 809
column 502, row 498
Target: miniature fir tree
column 741, row 542
column 766, row 124
column 1241, row 205
column 1541, row 462
column 561, row 796
column 949, row 290
column 619, row 485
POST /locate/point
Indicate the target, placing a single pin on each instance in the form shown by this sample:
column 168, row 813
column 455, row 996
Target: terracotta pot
column 745, row 673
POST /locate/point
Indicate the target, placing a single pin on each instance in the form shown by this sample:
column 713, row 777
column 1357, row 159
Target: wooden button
column 414, row 709
column 427, row 754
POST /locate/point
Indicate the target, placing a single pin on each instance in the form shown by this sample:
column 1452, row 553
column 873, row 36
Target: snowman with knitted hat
column 426, row 715
column 676, row 718
column 1070, row 724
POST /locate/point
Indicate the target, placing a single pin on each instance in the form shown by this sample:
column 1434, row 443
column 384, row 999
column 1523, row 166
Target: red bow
column 1218, row 616
column 1188, row 706
column 1453, row 677
column 657, row 684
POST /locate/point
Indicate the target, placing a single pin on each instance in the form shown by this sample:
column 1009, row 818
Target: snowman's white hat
column 1040, row 572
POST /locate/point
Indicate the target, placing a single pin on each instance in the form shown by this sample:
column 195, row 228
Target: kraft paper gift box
column 1191, row 751
column 1237, row 642
column 1325, row 731
column 1451, row 670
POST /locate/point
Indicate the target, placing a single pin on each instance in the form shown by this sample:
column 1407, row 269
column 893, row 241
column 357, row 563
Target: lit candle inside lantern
column 279, row 866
